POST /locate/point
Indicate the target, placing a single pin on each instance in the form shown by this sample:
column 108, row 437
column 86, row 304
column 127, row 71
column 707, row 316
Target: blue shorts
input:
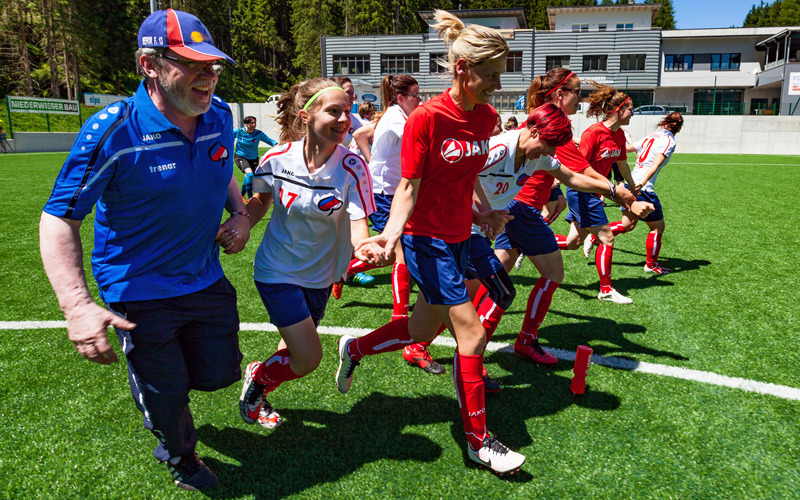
column 555, row 193
column 438, row 267
column 290, row 304
column 657, row 214
column 482, row 263
column 586, row 209
column 383, row 204
column 528, row 231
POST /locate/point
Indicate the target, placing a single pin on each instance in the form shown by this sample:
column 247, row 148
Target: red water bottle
column 583, row 360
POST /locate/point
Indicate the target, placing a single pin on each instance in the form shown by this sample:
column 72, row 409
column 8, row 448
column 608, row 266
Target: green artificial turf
column 68, row 427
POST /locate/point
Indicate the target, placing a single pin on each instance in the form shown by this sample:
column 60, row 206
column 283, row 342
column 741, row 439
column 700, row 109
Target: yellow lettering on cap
column 197, row 36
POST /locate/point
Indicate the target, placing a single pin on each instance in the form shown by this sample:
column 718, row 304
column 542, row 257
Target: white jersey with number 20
column 661, row 142
column 307, row 240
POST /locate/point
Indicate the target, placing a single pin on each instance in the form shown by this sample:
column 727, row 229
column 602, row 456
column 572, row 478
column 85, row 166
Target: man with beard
column 159, row 168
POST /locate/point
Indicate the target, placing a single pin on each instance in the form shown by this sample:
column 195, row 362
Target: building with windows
column 700, row 71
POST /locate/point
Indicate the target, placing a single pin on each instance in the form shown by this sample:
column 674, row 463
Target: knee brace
column 501, row 289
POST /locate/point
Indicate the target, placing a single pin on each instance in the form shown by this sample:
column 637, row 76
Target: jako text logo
column 453, row 149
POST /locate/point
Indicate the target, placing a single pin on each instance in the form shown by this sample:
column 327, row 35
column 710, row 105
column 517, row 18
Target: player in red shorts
column 445, row 145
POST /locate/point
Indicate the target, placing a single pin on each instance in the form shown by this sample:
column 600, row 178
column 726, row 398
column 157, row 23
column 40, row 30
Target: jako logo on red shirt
column 609, row 153
column 453, row 149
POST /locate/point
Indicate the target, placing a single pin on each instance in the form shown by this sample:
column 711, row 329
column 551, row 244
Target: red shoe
column 336, row 291
column 423, row 360
column 534, row 352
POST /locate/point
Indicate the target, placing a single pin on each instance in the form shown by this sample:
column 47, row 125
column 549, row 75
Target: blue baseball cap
column 182, row 33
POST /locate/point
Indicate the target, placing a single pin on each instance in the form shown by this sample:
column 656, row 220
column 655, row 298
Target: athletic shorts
column 383, row 203
column 482, row 263
column 555, row 193
column 290, row 304
column 438, row 267
column 528, row 231
column 244, row 163
column 586, row 209
column 648, row 197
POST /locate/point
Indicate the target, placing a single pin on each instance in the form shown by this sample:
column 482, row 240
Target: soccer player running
column 321, row 194
column 528, row 233
column 654, row 152
column 445, row 145
column 602, row 144
column 246, row 153
column 400, row 96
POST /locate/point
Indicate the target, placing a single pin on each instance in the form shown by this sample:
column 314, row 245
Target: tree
column 665, row 17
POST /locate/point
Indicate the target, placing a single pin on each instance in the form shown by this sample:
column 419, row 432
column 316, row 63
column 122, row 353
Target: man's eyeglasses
column 576, row 91
column 196, row 66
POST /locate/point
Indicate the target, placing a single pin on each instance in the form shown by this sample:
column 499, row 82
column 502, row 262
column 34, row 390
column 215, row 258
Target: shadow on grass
column 313, row 447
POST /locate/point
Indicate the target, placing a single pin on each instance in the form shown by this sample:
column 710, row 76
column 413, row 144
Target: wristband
column 241, row 213
column 612, row 189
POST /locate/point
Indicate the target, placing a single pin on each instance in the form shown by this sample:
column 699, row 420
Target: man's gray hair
column 154, row 55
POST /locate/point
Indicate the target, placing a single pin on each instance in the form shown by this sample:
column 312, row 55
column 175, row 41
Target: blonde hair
column 604, row 101
column 290, row 103
column 473, row 43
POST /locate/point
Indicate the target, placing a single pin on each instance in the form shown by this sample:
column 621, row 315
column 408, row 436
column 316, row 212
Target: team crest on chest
column 522, row 179
column 218, row 152
column 330, row 204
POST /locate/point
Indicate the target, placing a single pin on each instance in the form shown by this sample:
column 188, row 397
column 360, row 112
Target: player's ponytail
column 290, row 103
column 391, row 87
column 552, row 124
column 473, row 43
column 605, row 101
column 672, row 122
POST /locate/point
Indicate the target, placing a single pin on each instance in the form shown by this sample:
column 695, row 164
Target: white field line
column 780, row 391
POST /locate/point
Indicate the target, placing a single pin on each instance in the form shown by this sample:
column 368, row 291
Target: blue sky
column 691, row 14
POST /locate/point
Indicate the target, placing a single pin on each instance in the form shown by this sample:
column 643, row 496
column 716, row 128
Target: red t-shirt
column 445, row 147
column 602, row 147
column 536, row 190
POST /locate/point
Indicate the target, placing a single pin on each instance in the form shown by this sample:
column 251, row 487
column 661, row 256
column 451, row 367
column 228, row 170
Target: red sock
column 392, row 336
column 423, row 346
column 467, row 375
column 618, row 228
column 401, row 290
column 275, row 370
column 480, row 295
column 538, row 305
column 553, row 217
column 357, row 266
column 562, row 241
column 653, row 248
column 489, row 314
column 603, row 261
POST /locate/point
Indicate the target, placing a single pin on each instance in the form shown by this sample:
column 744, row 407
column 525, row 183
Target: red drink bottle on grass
column 583, row 360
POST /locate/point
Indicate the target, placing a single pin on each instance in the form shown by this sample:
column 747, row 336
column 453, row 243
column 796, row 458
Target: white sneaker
column 268, row 417
column 494, row 455
column 518, row 263
column 588, row 243
column 615, row 297
column 344, row 374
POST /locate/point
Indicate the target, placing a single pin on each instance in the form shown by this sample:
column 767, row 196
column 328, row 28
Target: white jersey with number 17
column 307, row 240
column 661, row 142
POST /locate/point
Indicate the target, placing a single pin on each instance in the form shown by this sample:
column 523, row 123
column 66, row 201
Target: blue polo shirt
column 159, row 197
column 247, row 144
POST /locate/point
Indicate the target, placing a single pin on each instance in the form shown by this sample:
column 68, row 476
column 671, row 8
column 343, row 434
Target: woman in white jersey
column 321, row 195
column 654, row 152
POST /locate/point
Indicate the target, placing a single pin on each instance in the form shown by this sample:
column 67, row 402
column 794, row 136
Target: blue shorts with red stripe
column 586, row 209
column 438, row 267
column 657, row 214
column 290, row 304
column 483, row 263
column 383, row 203
column 528, row 231
column 555, row 193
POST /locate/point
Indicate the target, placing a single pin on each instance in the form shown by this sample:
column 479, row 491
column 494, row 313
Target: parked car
column 655, row 109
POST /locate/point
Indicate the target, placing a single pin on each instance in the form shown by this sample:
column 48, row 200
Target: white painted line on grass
column 780, row 391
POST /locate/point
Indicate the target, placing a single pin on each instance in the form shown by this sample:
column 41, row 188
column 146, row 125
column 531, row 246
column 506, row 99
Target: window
column 595, row 63
column 678, row 62
column 580, row 27
column 553, row 62
column 351, row 65
column 514, row 62
column 631, row 62
column 725, row 62
column 624, row 26
column 718, row 102
column 399, row 63
column 601, row 27
column 435, row 66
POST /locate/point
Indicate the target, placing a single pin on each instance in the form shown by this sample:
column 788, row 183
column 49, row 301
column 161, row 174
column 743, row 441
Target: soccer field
column 675, row 405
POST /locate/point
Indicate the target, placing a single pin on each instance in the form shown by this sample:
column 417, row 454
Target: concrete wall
column 35, row 142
